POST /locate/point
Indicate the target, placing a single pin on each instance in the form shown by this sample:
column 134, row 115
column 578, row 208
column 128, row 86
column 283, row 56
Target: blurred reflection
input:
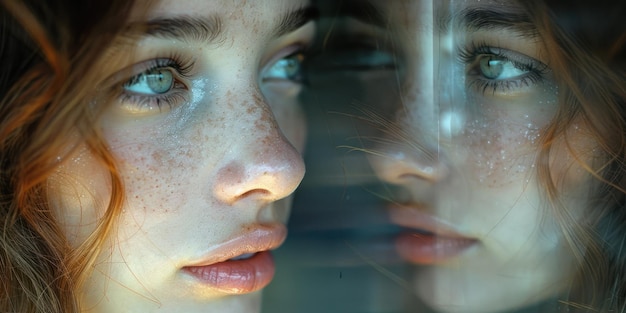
column 478, row 93
column 495, row 132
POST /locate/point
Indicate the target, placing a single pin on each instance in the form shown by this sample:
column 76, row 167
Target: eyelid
column 180, row 70
column 187, row 66
column 137, row 103
column 181, row 65
column 519, row 59
column 523, row 61
column 282, row 53
column 537, row 71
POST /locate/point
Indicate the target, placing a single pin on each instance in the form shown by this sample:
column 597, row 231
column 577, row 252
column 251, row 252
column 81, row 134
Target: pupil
column 292, row 67
column 160, row 81
column 491, row 67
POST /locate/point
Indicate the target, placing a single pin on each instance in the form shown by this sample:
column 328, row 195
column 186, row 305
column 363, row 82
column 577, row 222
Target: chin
column 461, row 290
column 248, row 303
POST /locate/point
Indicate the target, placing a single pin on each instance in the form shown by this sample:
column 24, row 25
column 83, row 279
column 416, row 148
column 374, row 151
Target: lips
column 242, row 264
column 428, row 240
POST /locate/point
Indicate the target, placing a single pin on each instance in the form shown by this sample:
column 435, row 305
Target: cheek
column 503, row 139
column 569, row 155
column 499, row 153
column 79, row 194
column 149, row 176
column 156, row 168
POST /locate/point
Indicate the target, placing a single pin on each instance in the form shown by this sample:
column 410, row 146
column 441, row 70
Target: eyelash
column 536, row 70
column 288, row 67
column 180, row 68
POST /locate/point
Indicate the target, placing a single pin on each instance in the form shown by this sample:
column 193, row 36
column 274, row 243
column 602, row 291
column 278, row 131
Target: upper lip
column 254, row 239
column 416, row 216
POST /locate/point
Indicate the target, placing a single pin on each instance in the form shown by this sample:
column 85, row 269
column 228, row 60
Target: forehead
column 229, row 11
column 437, row 4
column 413, row 13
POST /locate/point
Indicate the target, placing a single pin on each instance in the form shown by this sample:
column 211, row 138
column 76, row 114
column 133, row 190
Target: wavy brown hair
column 586, row 45
column 50, row 51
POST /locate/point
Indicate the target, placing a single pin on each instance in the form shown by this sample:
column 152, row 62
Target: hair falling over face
column 590, row 58
column 49, row 50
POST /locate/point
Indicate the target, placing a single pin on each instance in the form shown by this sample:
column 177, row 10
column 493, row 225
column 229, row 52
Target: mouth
column 428, row 240
column 241, row 265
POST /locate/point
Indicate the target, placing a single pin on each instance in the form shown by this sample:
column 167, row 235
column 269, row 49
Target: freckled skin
column 481, row 179
column 196, row 174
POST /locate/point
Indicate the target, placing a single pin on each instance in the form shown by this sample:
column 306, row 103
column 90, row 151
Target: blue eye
column 151, row 82
column 499, row 68
column 288, row 68
column 161, row 84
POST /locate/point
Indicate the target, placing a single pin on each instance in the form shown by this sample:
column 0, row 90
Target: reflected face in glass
column 476, row 97
column 206, row 133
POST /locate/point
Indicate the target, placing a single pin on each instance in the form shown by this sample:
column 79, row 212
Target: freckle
column 257, row 98
column 260, row 127
column 157, row 158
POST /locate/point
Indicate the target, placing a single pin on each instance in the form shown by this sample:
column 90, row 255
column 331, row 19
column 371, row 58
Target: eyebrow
column 185, row 28
column 475, row 19
column 295, row 19
column 209, row 29
column 362, row 10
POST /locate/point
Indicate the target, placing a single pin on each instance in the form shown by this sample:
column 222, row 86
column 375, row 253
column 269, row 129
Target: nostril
column 427, row 170
column 258, row 193
column 262, row 175
column 410, row 171
column 398, row 166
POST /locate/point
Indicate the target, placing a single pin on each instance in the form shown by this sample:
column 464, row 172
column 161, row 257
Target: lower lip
column 237, row 276
column 429, row 249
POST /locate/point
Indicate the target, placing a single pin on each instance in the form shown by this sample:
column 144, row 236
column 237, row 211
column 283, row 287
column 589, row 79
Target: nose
column 266, row 167
column 270, row 174
column 413, row 148
column 425, row 120
column 404, row 163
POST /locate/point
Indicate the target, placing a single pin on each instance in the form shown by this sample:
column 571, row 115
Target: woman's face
column 207, row 134
column 476, row 97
